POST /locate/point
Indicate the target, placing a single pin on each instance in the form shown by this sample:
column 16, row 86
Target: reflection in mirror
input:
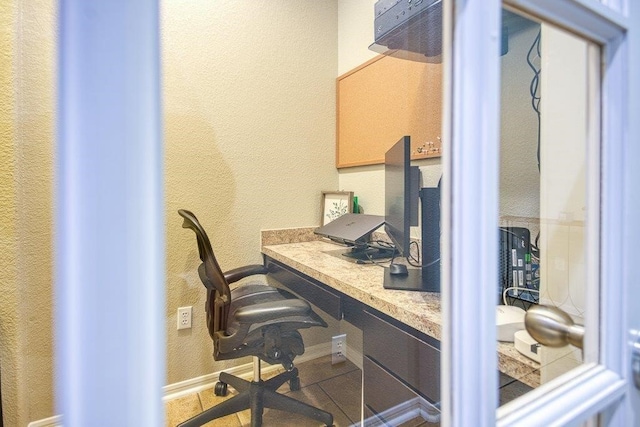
column 543, row 210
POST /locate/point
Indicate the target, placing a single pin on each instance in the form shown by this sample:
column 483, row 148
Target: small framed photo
column 335, row 204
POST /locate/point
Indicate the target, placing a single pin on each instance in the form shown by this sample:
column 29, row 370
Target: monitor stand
column 368, row 252
column 409, row 282
column 426, row 278
column 418, row 279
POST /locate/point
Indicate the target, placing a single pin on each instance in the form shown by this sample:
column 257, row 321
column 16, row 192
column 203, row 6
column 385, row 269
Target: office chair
column 255, row 320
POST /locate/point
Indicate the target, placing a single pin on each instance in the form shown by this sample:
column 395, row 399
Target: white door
column 602, row 385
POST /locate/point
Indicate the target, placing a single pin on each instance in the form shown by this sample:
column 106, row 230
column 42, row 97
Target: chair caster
column 220, row 389
column 294, row 384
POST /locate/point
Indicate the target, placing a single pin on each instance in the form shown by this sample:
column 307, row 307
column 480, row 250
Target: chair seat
column 256, row 293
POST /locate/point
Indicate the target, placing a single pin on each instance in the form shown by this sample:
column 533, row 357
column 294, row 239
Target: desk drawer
column 389, row 400
column 407, row 356
column 307, row 287
column 353, row 311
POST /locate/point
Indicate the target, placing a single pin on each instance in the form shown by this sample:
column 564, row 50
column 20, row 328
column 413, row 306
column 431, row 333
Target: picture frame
column 335, row 204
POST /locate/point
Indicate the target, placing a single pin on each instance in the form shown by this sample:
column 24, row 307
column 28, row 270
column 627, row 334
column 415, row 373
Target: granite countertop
column 305, row 252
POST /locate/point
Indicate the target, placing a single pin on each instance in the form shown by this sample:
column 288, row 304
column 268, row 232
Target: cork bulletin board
column 382, row 100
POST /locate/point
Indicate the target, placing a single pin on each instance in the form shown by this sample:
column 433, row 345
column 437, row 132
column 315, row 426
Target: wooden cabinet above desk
column 381, row 101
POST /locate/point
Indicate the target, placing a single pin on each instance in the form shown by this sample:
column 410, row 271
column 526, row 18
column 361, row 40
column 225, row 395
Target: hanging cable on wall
column 534, row 61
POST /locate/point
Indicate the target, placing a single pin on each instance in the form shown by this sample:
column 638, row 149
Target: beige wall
column 355, row 34
column 563, row 198
column 249, row 116
column 249, row 111
column 519, row 175
column 249, row 107
column 8, row 225
column 27, row 46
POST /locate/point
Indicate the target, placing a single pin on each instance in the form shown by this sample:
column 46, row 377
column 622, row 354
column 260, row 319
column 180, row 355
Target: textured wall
column 355, row 34
column 27, row 117
column 249, row 105
column 249, row 111
column 8, row 232
column 519, row 175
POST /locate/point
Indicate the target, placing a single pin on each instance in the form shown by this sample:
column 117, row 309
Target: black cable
column 411, row 258
column 382, row 243
column 373, row 261
column 534, row 86
column 417, row 262
column 504, row 230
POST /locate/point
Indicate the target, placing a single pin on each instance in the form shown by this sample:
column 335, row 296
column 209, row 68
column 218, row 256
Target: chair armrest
column 242, row 272
column 272, row 310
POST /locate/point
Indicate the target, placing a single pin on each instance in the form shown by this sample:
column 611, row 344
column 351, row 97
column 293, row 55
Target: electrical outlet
column 338, row 349
column 184, row 317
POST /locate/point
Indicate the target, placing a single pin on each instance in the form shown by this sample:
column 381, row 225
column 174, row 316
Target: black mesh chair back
column 212, row 277
column 252, row 319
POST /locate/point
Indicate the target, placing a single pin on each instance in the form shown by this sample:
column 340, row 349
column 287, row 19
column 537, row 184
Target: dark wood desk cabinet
column 401, row 366
column 401, row 370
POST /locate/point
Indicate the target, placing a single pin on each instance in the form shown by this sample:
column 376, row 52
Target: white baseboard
column 406, row 411
column 55, row 421
column 195, row 385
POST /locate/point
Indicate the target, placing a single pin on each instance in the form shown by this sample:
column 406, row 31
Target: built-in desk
column 410, row 319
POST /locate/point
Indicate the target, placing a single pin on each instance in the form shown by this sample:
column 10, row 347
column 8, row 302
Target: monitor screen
column 402, row 185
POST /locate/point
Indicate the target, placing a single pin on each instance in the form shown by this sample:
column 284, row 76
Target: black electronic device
column 402, row 197
column 515, row 266
column 409, row 29
column 398, row 270
column 412, row 29
column 430, row 248
column 402, row 186
column 367, row 253
column 425, row 278
column 412, row 281
column 351, row 229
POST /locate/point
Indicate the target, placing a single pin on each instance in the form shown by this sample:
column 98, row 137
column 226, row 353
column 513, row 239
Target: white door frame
column 109, row 219
column 470, row 205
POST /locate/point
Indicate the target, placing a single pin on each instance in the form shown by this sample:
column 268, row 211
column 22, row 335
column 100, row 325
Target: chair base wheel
column 294, row 384
column 256, row 396
column 220, row 389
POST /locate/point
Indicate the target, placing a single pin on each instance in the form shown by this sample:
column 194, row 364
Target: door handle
column 553, row 327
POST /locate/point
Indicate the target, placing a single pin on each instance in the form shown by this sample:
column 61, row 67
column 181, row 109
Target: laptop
column 351, row 229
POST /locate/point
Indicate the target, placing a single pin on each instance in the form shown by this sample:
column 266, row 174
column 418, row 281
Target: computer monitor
column 402, row 186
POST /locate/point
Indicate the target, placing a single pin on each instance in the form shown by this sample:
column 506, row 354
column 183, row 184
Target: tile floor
column 334, row 388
